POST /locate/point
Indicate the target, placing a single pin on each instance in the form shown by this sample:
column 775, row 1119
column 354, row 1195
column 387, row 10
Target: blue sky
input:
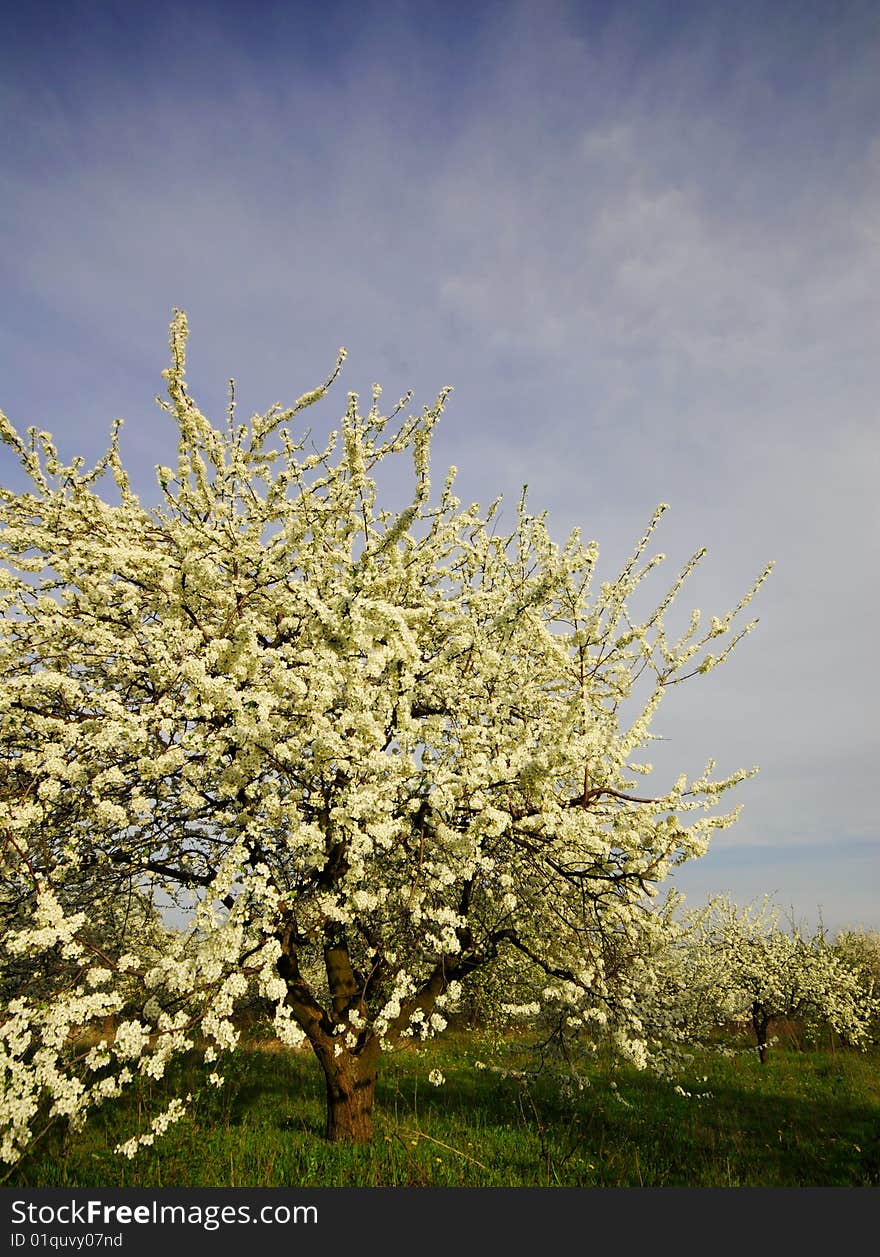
column 641, row 241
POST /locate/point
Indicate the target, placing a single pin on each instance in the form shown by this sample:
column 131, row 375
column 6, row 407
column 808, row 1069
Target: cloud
column 645, row 252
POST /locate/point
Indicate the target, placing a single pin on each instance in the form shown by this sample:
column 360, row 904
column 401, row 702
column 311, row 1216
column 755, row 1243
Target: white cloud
column 648, row 261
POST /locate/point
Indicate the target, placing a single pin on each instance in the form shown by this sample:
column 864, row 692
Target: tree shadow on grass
column 737, row 1135
column 750, row 1130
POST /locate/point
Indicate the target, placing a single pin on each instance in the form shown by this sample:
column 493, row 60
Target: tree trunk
column 351, row 1086
column 760, row 1024
column 350, row 1073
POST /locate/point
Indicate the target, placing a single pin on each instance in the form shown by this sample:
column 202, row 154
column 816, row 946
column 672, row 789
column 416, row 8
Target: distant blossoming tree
column 859, row 949
column 739, row 964
column 369, row 752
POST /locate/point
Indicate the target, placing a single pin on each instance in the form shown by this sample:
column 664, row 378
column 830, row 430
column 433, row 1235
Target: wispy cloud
column 641, row 242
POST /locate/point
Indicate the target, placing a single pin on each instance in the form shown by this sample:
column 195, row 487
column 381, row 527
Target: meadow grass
column 806, row 1118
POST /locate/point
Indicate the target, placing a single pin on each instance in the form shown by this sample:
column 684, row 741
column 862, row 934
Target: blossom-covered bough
column 370, row 753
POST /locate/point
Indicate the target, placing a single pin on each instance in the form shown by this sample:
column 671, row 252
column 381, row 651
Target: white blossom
column 376, row 758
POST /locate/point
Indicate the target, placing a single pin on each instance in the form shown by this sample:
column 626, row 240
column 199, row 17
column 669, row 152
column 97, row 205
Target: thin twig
column 440, row 1144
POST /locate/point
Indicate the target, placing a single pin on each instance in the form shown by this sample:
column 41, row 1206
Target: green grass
column 803, row 1119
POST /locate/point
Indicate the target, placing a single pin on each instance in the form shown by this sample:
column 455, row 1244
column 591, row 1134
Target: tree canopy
column 367, row 752
column 739, row 964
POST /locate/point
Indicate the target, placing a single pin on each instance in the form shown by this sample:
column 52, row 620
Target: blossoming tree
column 368, row 752
column 739, row 964
column 859, row 949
